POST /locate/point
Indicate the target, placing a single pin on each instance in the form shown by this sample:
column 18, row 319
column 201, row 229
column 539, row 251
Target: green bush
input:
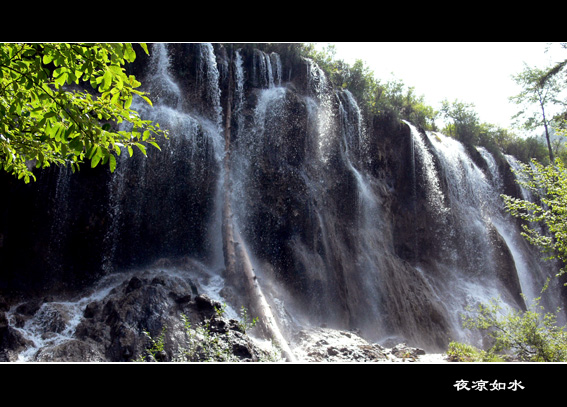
column 527, row 336
column 462, row 352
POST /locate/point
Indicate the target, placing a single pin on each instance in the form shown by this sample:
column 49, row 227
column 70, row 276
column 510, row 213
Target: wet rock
column 125, row 326
column 329, row 345
column 403, row 351
column 206, row 306
column 71, row 351
column 119, row 322
column 11, row 340
column 29, row 308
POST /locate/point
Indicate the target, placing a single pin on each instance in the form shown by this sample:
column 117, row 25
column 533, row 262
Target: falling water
column 323, row 110
column 516, row 167
column 435, row 195
column 208, row 77
column 60, row 217
column 313, row 220
column 476, row 217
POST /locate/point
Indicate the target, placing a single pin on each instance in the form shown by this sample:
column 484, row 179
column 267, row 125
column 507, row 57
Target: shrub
column 208, row 341
column 462, row 352
column 528, row 336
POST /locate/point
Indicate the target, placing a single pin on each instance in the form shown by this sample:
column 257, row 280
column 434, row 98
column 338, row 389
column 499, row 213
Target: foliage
column 465, row 122
column 528, row 336
column 557, row 68
column 203, row 343
column 462, row 352
column 525, row 149
column 394, row 97
column 549, row 185
column 47, row 116
column 157, row 347
column 391, row 98
column 245, row 322
column 541, row 89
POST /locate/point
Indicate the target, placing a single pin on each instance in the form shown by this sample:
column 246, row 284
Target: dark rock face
column 12, row 342
column 120, row 327
column 52, row 231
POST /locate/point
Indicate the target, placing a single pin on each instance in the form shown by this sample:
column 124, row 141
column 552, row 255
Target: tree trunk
column 551, row 157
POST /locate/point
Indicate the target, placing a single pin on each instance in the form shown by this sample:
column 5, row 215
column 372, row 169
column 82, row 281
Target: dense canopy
column 49, row 116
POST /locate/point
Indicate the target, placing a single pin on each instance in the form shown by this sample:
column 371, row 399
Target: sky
column 471, row 72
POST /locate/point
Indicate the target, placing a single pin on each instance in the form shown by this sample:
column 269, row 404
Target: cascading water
column 478, row 230
column 315, row 221
column 192, row 157
column 60, row 217
column 435, row 195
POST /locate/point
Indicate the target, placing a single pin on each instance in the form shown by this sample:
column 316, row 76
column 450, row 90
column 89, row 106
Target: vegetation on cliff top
column 396, row 99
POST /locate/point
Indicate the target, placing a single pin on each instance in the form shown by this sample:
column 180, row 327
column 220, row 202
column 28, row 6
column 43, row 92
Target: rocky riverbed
column 165, row 317
column 330, row 345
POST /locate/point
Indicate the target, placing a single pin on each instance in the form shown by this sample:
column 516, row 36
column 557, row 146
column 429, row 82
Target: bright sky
column 472, row 72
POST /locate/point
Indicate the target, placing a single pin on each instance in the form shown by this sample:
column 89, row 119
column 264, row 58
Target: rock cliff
column 347, row 221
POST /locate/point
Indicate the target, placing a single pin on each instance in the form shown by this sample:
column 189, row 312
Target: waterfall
column 60, row 216
column 238, row 91
column 340, row 225
column 369, row 227
column 354, row 140
column 469, row 196
column 478, row 231
column 208, row 77
column 267, row 69
column 435, row 195
column 516, row 167
column 191, row 157
column 324, row 113
column 162, row 87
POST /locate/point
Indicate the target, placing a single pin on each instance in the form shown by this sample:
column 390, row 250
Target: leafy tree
column 465, row 123
column 549, row 185
column 48, row 117
column 555, row 69
column 394, row 97
column 529, row 336
column 391, row 97
column 527, row 149
column 462, row 352
column 541, row 89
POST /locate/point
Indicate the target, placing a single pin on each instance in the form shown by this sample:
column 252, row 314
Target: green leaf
column 117, row 148
column 97, row 157
column 47, row 58
column 112, row 163
column 153, row 143
column 128, row 102
column 76, row 145
column 116, row 70
column 141, row 147
column 106, row 81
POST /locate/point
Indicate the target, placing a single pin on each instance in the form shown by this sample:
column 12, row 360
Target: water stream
column 313, row 220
